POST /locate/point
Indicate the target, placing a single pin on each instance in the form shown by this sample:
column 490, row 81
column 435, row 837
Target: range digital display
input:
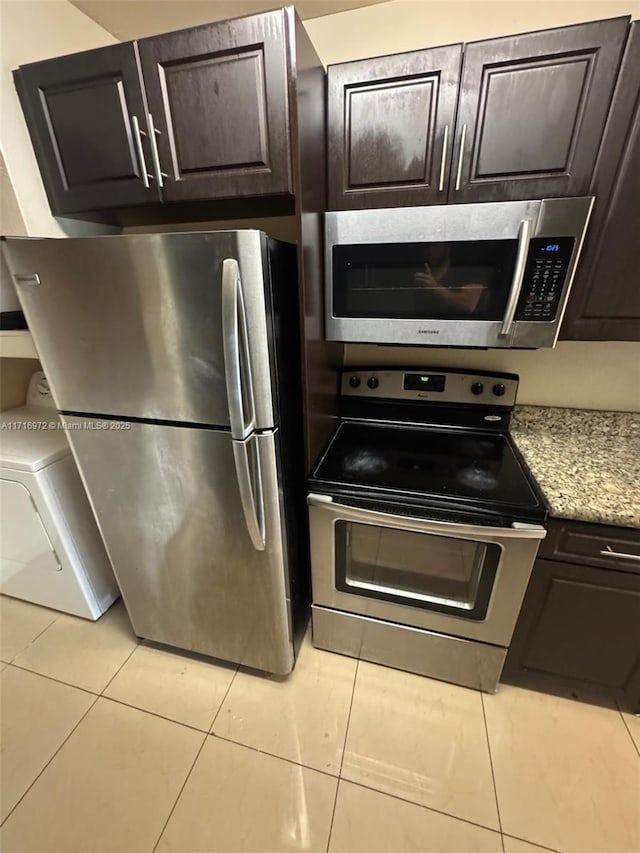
column 423, row 382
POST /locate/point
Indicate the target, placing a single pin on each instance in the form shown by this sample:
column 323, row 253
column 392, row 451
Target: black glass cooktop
column 434, row 462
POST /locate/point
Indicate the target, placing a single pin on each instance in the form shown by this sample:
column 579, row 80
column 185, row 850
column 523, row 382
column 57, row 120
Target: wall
column 15, row 373
column 412, row 24
column 577, row 374
column 31, row 30
column 599, row 375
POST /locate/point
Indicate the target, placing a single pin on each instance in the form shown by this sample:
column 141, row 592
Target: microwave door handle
column 524, row 236
column 235, row 346
column 428, row 525
column 251, row 491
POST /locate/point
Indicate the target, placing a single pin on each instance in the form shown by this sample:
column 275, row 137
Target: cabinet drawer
column 592, row 544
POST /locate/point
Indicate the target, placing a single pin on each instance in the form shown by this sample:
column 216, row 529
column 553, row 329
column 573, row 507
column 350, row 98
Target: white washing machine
column 50, row 550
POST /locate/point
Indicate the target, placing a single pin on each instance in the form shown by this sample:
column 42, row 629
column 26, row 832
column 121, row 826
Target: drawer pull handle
column 607, row 552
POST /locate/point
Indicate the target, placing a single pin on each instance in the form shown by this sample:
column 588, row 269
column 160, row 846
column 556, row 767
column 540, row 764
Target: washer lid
column 25, row 449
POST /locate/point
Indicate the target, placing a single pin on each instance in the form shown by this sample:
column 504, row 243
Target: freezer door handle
column 246, row 455
column 237, row 364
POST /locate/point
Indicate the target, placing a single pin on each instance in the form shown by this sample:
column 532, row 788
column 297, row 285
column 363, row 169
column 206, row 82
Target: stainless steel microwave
column 467, row 275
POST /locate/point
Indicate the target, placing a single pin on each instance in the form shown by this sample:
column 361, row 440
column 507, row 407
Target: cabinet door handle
column 154, row 151
column 443, row 161
column 138, row 134
column 463, row 137
column 607, row 552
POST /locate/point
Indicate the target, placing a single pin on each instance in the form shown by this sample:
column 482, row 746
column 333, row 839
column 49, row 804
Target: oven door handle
column 524, row 236
column 427, row 525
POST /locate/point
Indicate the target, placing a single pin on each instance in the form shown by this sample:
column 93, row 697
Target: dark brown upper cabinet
column 391, row 124
column 84, row 112
column 605, row 298
column 199, row 114
column 532, row 109
column 217, row 96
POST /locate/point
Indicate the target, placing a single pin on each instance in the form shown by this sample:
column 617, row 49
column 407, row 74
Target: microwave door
column 456, row 292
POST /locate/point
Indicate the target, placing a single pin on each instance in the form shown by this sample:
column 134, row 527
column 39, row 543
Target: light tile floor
column 108, row 744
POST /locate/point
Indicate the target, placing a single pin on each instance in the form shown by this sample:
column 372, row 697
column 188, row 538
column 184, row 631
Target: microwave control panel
column 544, row 278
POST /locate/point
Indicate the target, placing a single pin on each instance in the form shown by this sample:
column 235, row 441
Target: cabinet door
column 82, row 111
column 218, row 99
column 532, row 109
column 578, row 628
column 391, row 128
column 605, row 298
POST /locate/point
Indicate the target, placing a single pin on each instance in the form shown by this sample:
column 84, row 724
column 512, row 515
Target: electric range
column 425, row 524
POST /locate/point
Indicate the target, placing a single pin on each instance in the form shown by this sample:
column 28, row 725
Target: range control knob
column 372, row 382
column 354, row 381
column 477, row 388
column 499, row 389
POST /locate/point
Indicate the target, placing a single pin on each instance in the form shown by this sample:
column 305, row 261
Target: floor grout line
column 37, row 637
column 493, row 773
column 8, row 815
column 344, row 747
column 529, row 841
column 204, row 740
column 626, row 725
column 182, row 787
column 274, row 755
column 224, row 699
column 428, row 808
column 53, row 678
column 153, row 714
column 124, row 662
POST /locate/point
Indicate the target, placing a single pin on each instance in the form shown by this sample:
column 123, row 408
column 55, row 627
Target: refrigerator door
column 135, row 326
column 175, row 524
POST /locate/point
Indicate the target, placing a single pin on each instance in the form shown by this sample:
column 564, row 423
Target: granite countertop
column 586, row 462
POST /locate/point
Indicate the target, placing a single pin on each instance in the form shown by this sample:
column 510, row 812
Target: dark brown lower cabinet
column 578, row 632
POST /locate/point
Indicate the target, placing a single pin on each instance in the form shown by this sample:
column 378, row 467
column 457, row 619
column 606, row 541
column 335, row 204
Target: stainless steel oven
column 477, row 275
column 424, row 525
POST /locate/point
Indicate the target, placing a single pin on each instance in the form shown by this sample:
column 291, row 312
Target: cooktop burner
column 423, row 461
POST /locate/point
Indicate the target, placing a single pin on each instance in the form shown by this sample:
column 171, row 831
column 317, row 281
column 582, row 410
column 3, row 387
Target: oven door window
column 432, row 572
column 458, row 280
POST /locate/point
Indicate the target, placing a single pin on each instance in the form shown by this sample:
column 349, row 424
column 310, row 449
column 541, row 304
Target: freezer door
column 176, row 528
column 135, row 326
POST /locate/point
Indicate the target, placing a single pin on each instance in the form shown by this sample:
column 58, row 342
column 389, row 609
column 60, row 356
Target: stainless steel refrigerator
column 174, row 362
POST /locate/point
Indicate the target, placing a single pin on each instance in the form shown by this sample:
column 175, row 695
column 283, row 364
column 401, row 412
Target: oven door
column 458, row 579
column 481, row 275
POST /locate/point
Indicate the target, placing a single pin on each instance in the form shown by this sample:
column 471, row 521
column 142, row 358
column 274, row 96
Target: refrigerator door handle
column 236, row 352
column 251, row 491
